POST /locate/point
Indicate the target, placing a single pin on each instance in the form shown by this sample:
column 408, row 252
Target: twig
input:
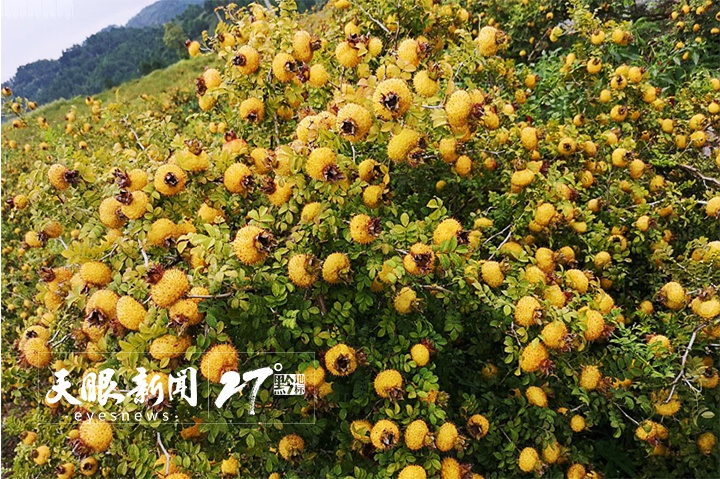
column 697, row 173
column 507, row 238
column 209, row 296
column 63, row 243
column 60, row 341
column 144, row 254
column 682, row 363
column 167, row 456
column 434, row 287
column 498, row 233
column 114, row 248
column 375, row 20
column 626, row 414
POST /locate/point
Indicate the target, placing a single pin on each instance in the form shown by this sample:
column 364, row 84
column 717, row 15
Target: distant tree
column 174, row 38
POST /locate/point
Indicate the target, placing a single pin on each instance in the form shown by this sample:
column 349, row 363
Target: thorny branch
column 167, row 456
column 681, row 374
column 696, row 172
column 375, row 20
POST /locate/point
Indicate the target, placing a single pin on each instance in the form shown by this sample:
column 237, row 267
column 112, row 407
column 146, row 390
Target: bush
column 487, row 237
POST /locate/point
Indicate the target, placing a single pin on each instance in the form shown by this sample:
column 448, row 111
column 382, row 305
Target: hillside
column 160, row 12
column 114, row 55
column 151, row 40
column 157, row 84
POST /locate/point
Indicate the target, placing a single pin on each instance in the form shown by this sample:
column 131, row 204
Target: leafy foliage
column 546, row 189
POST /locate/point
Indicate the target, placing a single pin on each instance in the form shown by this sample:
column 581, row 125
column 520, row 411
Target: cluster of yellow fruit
column 382, row 193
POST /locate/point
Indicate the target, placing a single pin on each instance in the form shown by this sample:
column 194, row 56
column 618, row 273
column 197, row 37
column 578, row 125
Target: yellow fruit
column 492, row 274
column 566, row 146
column 554, row 335
column 392, row 98
column 388, row 384
column 65, row 471
column 360, row 430
column 660, row 345
column 364, row 229
column 424, row 84
column 534, row 356
column 36, row 352
column 252, row 244
column 446, row 437
column 409, row 51
column 551, row 452
column 384, row 435
column 220, row 359
column 171, row 285
column 283, row 67
column 230, row 466
column 706, row 443
column 672, row 295
column 463, row 166
column 41, row 455
column 61, row 177
column 303, row 44
column 130, row 313
column 529, row 138
column 522, row 178
column 340, row 360
column 169, row 346
column 577, row 423
column 419, row 260
column 528, row 311
column 529, row 460
column 336, row 268
column 536, row 396
column 291, row 446
column 489, row 40
column 405, row 300
column 446, row 230
column 252, row 110
column 347, row 55
column 404, row 146
column 170, row 180
column 712, row 208
column 590, row 378
column 321, row 165
column 576, row 471
column 301, row 271
column 89, row 466
column 95, row 273
column 594, row 65
column 412, row 471
column 706, row 309
column 577, row 280
column 544, row 214
column 96, row 434
column 478, row 426
column 353, row 122
column 247, row 60
column 420, row 354
column 458, row 108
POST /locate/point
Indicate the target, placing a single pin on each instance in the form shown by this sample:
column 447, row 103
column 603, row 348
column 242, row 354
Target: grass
column 155, row 84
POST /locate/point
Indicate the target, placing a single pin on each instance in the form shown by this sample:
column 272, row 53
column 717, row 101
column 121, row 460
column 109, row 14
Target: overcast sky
column 42, row 29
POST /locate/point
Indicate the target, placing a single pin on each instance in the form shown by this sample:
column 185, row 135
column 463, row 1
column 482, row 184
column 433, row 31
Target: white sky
column 41, row 29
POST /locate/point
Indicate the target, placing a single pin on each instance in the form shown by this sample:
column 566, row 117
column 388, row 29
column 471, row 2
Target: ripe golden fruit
column 384, row 435
column 341, row 360
column 529, row 460
column 291, row 447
